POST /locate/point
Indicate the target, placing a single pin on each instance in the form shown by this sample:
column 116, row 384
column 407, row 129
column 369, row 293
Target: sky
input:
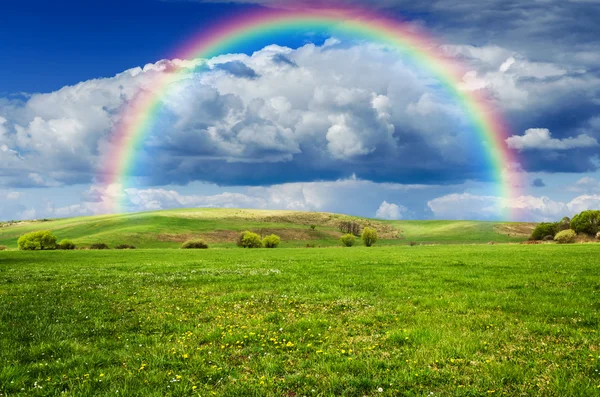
column 307, row 120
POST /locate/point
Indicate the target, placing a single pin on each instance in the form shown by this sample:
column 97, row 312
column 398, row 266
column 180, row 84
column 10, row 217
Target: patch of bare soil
column 516, row 229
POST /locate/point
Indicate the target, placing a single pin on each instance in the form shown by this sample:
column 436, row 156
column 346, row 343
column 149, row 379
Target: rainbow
column 141, row 112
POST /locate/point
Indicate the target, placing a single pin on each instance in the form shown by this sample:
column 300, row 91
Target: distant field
column 385, row 321
column 220, row 227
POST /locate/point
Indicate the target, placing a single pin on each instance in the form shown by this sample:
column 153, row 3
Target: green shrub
column 3, row 247
column 99, row 246
column 249, row 240
column 369, row 236
column 313, row 227
column 544, row 229
column 65, row 245
column 125, row 247
column 586, row 222
column 42, row 240
column 348, row 240
column 194, row 244
column 565, row 237
column 271, row 241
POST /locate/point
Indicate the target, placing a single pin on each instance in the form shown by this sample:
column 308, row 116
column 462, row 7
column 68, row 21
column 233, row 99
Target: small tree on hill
column 563, row 224
column 542, row 230
column 350, row 227
column 587, row 222
column 348, row 240
column 369, row 236
column 249, row 240
column 42, row 240
column 271, row 241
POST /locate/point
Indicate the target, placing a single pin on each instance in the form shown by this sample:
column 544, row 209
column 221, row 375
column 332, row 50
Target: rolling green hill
column 220, row 227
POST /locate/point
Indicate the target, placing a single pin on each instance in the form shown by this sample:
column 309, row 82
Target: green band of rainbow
column 421, row 49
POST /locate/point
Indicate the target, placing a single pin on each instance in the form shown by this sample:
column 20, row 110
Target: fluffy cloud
column 307, row 196
column 526, row 208
column 586, row 184
column 390, row 211
column 541, row 139
column 323, row 113
column 286, row 115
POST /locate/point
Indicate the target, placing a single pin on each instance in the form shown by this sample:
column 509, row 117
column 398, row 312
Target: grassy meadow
column 446, row 320
column 220, row 228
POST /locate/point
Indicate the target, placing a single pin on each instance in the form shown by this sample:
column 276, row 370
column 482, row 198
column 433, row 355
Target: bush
column 271, row 241
column 544, row 229
column 66, row 245
column 194, row 244
column 249, row 240
column 565, row 237
column 548, row 238
column 348, row 240
column 42, row 240
column 125, row 247
column 313, row 227
column 369, row 236
column 99, row 246
column 586, row 222
column 3, row 247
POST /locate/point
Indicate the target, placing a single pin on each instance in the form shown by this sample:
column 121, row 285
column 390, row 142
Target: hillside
column 220, row 227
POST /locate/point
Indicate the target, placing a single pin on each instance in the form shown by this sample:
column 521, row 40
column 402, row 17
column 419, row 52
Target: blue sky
column 301, row 121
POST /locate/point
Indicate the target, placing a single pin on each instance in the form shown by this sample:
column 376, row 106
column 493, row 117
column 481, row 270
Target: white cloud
column 390, row 211
column 586, row 184
column 541, row 139
column 507, row 64
column 525, row 208
column 329, row 105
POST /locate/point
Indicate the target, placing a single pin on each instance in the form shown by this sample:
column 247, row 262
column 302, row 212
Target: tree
column 586, row 222
column 271, row 241
column 348, row 240
column 369, row 236
column 544, row 229
column 41, row 240
column 350, row 227
column 563, row 224
column 249, row 240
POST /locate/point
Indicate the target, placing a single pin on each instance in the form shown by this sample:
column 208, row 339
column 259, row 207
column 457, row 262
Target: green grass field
column 220, row 227
column 420, row 321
